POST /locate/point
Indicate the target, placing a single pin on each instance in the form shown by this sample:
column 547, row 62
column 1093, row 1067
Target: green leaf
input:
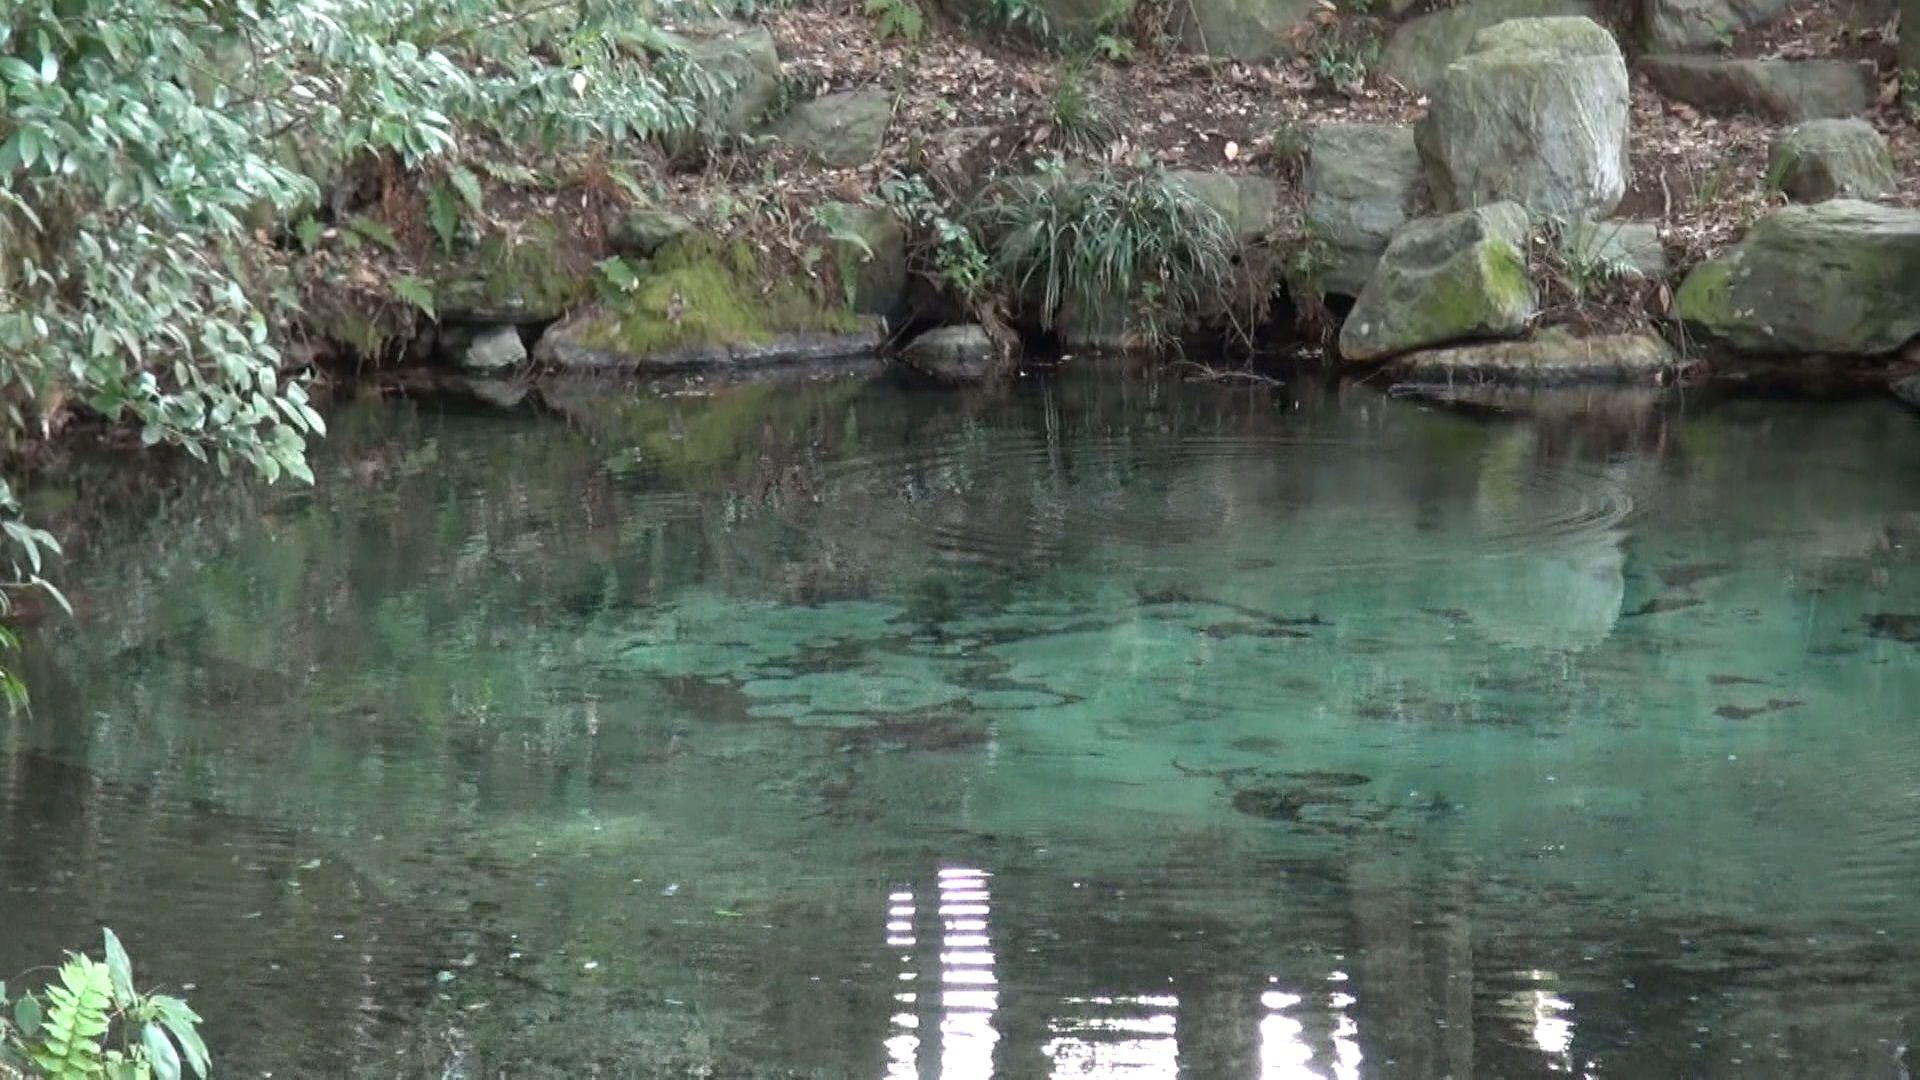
column 468, row 185
column 26, row 1016
column 119, row 969
column 309, row 232
column 160, row 1052
column 375, row 231
column 181, row 1021
column 416, row 292
column 443, row 214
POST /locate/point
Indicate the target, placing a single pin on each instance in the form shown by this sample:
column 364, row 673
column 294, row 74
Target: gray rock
column 1253, row 30
column 1831, row 159
column 1835, row 278
column 1554, row 358
column 1249, row 204
column 1784, row 90
column 1630, row 248
column 564, row 348
column 957, row 354
column 493, row 349
column 877, row 264
column 1363, row 181
column 746, row 58
column 1444, row 279
column 841, row 131
column 1694, row 25
column 1536, row 114
column 646, row 230
column 1421, row 48
column 1907, row 390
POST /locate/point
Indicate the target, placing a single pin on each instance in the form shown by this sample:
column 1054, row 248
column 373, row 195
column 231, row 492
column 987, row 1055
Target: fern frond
column 69, row 1047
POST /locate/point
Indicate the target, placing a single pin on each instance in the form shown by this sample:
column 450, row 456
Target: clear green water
column 1102, row 729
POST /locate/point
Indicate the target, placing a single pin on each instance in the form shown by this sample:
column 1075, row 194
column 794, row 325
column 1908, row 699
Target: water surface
column 1100, row 728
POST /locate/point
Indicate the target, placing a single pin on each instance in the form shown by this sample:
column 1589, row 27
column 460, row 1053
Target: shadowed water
column 1103, row 728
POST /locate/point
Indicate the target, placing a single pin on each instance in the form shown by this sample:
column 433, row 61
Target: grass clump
column 1078, row 118
column 1137, row 240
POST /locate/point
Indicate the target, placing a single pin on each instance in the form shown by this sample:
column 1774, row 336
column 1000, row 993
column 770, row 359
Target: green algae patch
column 695, row 294
column 1705, row 298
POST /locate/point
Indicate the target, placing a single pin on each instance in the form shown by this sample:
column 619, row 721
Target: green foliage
column 959, row 259
column 848, row 240
column 1341, row 51
column 897, row 18
column 65, row 1030
column 1583, row 259
column 143, row 143
column 1107, row 238
column 1077, row 116
column 1025, row 17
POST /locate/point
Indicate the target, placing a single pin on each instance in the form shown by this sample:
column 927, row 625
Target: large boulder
column 744, row 59
column 1249, row 205
column 1838, row 278
column 1444, row 279
column 1787, row 91
column 1421, row 48
column 1363, row 182
column 1554, row 358
column 1831, row 159
column 1692, row 25
column 841, row 131
column 1535, row 114
column 1252, row 30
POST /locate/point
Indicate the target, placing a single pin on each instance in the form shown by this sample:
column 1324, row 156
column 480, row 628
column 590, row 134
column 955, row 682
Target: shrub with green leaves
column 1134, row 239
column 89, row 1022
column 149, row 149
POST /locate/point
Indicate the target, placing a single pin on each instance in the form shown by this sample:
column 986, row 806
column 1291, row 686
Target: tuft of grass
column 1078, row 116
column 1106, row 238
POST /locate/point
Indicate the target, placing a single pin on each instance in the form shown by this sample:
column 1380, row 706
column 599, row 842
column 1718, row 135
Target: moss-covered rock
column 1690, row 25
column 1535, row 113
column 1831, row 159
column 1242, row 29
column 645, row 230
column 1363, row 182
column 841, row 131
column 1784, row 90
column 1837, row 278
column 1445, row 279
column 746, row 59
column 1421, row 48
column 872, row 257
column 701, row 305
column 534, row 273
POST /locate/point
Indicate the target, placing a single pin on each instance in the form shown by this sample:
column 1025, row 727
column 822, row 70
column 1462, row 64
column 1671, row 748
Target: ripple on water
column 1019, row 499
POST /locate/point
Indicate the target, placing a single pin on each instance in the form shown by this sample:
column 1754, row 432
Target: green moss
column 1706, row 296
column 694, row 293
column 535, row 274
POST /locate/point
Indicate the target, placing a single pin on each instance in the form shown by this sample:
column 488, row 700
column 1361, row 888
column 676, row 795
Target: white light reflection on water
column 1142, row 1042
column 967, row 1002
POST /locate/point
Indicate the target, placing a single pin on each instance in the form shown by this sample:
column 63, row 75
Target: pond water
column 1104, row 728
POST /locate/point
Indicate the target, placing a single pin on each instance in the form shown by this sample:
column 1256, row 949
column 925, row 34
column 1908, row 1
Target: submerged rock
column 1553, row 359
column 1784, row 90
column 956, row 354
column 1831, row 159
column 1421, row 48
column 1694, row 25
column 1363, row 182
column 841, row 131
column 701, row 307
column 1535, row 113
column 1444, row 279
column 1838, row 277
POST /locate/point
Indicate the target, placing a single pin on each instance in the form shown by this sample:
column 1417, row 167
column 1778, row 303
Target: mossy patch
column 1706, row 296
column 535, row 274
column 697, row 293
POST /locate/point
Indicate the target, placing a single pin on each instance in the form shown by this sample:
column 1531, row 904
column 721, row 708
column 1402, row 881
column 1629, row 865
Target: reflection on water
column 1105, row 729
